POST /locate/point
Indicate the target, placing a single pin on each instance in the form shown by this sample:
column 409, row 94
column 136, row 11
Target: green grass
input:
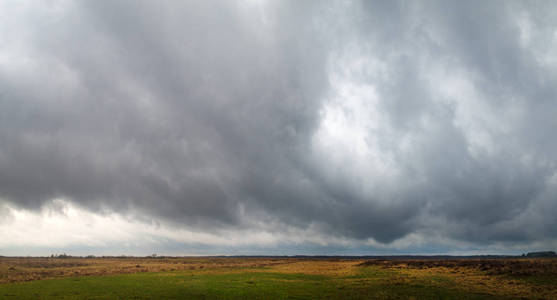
column 538, row 280
column 371, row 283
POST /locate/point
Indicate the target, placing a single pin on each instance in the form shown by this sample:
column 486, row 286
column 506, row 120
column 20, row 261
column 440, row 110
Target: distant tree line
column 540, row 254
column 64, row 255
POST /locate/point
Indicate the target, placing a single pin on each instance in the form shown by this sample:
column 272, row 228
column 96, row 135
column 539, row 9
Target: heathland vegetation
column 65, row 277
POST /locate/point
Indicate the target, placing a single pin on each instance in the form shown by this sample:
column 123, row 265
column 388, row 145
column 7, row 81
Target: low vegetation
column 276, row 278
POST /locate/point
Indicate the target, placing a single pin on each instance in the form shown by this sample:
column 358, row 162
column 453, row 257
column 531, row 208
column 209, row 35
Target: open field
column 276, row 278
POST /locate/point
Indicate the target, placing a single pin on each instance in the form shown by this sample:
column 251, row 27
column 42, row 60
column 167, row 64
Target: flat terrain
column 276, row 278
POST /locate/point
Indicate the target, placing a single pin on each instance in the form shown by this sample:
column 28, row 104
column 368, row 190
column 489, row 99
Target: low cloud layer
column 353, row 125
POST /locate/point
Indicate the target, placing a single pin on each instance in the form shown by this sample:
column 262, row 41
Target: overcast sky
column 277, row 127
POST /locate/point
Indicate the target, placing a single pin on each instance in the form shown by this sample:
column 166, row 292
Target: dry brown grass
column 27, row 269
column 515, row 267
column 503, row 277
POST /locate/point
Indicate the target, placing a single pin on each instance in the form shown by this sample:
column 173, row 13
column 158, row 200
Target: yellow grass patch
column 320, row 267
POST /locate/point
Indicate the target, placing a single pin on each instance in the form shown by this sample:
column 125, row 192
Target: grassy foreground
column 284, row 279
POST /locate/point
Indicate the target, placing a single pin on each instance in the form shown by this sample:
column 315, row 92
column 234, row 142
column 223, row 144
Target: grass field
column 275, row 278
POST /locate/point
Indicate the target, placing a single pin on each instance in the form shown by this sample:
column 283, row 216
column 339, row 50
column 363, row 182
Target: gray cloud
column 219, row 115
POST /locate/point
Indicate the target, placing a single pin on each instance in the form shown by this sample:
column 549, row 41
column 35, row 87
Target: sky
column 277, row 127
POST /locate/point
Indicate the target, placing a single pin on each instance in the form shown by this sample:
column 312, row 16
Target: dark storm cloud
column 204, row 114
column 171, row 108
